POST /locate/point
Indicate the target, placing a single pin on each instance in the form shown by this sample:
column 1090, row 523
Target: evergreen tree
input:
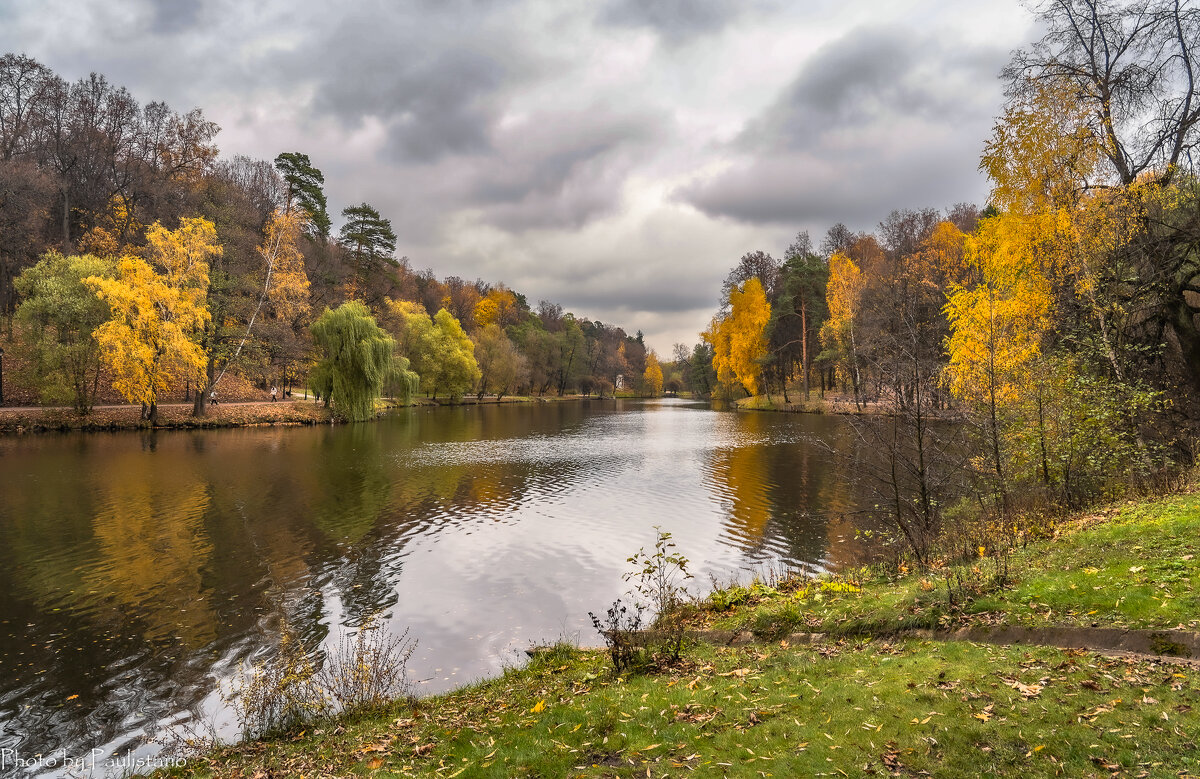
column 305, row 188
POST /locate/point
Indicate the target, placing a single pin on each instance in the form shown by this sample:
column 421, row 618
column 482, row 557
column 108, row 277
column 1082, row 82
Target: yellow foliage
column 997, row 326
column 98, row 242
column 1042, row 152
column 653, row 376
column 842, row 294
column 498, row 307
column 148, row 341
column 942, row 260
column 739, row 340
column 287, row 285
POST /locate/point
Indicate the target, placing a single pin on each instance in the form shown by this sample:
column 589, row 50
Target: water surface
column 138, row 569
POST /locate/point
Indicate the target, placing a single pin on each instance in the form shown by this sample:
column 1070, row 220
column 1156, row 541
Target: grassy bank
column 830, row 404
column 858, row 704
column 178, row 416
column 170, row 417
column 1135, row 565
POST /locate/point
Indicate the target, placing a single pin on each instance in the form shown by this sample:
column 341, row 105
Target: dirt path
column 1178, row 647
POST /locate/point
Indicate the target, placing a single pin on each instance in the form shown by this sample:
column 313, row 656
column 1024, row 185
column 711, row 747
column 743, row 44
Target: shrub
column 288, row 689
column 620, row 629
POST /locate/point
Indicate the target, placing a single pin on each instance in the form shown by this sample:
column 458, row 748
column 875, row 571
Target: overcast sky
column 614, row 156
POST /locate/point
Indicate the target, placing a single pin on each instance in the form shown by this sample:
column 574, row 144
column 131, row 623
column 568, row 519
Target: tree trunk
column 66, row 222
column 804, row 345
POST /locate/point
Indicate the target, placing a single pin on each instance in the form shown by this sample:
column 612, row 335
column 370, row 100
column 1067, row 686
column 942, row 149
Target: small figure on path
column 274, row 394
column 212, row 398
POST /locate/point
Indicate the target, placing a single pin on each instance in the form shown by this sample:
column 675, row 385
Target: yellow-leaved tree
column 158, row 304
column 652, row 378
column 996, row 326
column 283, row 302
column 739, row 339
column 498, row 307
column 842, row 295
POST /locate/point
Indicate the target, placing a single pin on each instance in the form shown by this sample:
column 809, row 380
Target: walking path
column 1178, row 647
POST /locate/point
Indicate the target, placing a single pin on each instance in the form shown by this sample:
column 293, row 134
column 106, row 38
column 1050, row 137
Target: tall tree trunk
column 66, row 222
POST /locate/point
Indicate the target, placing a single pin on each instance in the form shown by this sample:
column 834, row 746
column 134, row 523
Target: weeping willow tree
column 359, row 358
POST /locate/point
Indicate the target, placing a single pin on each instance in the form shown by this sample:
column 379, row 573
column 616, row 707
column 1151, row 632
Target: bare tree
column 1133, row 65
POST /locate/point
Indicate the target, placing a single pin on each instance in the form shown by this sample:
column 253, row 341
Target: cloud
column 561, row 170
column 437, row 81
column 673, row 20
column 617, row 159
column 879, row 119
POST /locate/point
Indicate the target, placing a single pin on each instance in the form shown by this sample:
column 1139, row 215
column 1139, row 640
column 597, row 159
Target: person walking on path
column 274, row 394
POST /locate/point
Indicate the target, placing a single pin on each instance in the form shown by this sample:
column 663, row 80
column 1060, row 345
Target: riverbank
column 831, row 404
column 178, row 416
column 862, row 698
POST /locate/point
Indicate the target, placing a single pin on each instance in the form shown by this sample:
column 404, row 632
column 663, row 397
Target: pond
column 139, row 570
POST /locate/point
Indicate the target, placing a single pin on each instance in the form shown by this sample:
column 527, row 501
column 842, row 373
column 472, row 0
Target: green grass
column 848, row 708
column 953, row 710
column 1139, row 567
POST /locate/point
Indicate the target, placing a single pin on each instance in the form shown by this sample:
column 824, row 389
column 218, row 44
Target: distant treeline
column 130, row 250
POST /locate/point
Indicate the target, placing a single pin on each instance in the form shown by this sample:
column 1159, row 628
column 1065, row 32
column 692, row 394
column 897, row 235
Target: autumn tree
column 499, row 307
column 461, row 299
column 502, row 367
column 752, row 265
column 357, row 358
column 997, row 328
column 58, row 314
column 437, row 347
column 157, row 307
column 1130, row 69
column 457, row 369
column 842, row 296
column 652, row 378
column 739, row 339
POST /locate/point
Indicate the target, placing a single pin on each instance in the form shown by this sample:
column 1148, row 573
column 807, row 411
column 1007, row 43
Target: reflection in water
column 149, row 539
column 137, row 570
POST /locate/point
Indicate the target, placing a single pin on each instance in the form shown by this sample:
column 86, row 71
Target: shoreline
column 840, row 406
column 178, row 416
column 895, row 680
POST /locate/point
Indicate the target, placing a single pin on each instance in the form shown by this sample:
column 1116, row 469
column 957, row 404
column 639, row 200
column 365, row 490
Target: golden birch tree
column 652, row 378
column 157, row 305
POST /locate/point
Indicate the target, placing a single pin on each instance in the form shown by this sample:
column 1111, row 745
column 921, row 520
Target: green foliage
column 658, row 579
column 403, row 384
column 439, row 350
column 369, row 236
column 58, row 315
column 457, row 370
column 306, row 187
column 358, row 359
column 859, row 708
column 1074, row 435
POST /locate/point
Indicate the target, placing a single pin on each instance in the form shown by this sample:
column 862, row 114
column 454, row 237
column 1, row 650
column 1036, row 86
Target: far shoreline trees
column 276, row 268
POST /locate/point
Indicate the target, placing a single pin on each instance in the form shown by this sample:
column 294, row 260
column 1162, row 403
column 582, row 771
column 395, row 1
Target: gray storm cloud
column 617, row 157
column 879, row 119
